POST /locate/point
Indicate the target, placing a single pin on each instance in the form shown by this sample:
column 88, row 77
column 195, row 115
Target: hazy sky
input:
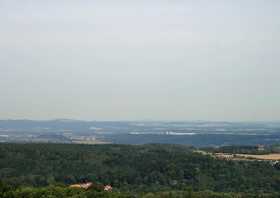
column 140, row 59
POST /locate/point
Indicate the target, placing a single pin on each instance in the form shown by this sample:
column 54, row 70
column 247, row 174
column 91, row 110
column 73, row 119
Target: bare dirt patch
column 266, row 157
column 274, row 156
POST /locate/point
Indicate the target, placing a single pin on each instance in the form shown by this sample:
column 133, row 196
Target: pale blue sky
column 135, row 60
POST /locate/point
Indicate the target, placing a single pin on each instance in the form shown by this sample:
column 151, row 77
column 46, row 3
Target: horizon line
column 139, row 120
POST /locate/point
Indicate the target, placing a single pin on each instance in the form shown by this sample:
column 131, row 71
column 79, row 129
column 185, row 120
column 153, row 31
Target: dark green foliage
column 66, row 192
column 146, row 168
column 58, row 192
column 237, row 150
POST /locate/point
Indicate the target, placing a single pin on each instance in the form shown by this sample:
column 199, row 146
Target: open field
column 274, row 156
column 228, row 156
column 89, row 142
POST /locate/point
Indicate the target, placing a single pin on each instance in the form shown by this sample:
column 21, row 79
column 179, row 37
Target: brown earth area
column 274, row 156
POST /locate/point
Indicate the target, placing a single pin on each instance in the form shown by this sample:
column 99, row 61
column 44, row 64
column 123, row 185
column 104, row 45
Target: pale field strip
column 89, row 142
column 229, row 156
column 272, row 156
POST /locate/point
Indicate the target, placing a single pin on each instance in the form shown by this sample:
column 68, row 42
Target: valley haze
column 195, row 133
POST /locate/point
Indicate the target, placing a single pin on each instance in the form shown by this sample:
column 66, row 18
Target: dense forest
column 34, row 170
column 65, row 192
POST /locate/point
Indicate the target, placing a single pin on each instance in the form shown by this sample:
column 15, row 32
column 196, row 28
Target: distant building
column 85, row 186
column 108, row 188
column 88, row 185
column 260, row 147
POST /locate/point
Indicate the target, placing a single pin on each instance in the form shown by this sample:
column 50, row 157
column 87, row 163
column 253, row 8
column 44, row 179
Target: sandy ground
column 228, row 156
column 275, row 156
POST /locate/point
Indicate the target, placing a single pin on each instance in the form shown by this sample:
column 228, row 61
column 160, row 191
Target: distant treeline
column 132, row 169
column 258, row 149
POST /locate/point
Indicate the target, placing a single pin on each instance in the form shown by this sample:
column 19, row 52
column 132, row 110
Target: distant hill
column 196, row 133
